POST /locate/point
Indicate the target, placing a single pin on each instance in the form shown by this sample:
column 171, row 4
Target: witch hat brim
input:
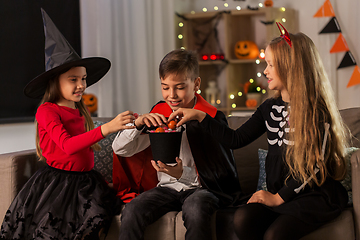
column 59, row 57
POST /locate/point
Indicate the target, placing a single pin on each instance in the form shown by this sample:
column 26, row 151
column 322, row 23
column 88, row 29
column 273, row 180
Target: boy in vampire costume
column 204, row 177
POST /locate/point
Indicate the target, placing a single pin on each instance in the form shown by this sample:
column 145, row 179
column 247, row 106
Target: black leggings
column 255, row 221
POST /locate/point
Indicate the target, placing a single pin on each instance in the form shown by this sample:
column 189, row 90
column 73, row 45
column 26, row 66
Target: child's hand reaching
column 174, row 171
column 187, row 114
column 150, row 119
column 118, row 123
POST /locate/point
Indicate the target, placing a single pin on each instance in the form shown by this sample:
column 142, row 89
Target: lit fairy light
column 204, row 9
column 283, row 19
column 283, row 9
column 233, row 105
column 257, row 61
column 251, row 80
column 192, row 12
column 238, row 8
column 180, row 36
column 216, row 8
column 181, row 24
column 263, row 91
column 258, row 89
column 232, row 96
column 226, row 5
column 258, row 74
column 198, row 91
column 183, row 48
column 261, row 5
column 262, row 54
column 240, row 94
column 218, row 101
column 283, row 31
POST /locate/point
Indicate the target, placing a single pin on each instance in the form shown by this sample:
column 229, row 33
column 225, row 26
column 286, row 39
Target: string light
column 180, row 36
column 283, row 9
column 204, row 9
column 240, row 94
column 259, row 74
column 251, row 80
column 257, row 61
column 183, row 48
column 233, row 105
column 226, row 4
column 238, row 8
column 218, row 101
column 283, row 20
column 216, row 8
column 232, row 96
column 263, row 91
column 192, row 12
column 262, row 54
column 181, row 24
column 261, row 5
column 198, row 91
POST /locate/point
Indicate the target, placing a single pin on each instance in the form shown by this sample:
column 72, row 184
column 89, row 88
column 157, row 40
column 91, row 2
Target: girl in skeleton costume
column 306, row 145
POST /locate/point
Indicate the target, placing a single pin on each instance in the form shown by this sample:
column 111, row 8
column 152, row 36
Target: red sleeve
column 50, row 120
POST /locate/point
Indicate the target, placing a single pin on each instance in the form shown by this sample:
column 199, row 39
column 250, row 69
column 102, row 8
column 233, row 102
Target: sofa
column 17, row 167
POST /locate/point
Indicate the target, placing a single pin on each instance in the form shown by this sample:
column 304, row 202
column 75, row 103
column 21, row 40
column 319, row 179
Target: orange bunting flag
column 355, row 77
column 340, row 45
column 326, row 10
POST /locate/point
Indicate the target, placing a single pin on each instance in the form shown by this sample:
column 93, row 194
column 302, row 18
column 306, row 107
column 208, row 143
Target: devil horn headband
column 284, row 35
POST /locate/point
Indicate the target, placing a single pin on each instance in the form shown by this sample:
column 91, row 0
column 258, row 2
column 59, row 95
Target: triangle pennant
column 326, row 10
column 355, row 77
column 340, row 45
column 347, row 61
column 332, row 27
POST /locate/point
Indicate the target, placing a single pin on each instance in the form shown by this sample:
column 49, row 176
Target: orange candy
column 159, row 130
column 172, row 125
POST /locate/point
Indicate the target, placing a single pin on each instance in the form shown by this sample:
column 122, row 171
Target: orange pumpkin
column 251, row 103
column 268, row 3
column 90, row 100
column 246, row 50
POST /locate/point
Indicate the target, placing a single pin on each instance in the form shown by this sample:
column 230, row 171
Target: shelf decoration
column 340, row 45
column 246, row 50
column 268, row 3
column 203, row 35
column 91, row 102
column 212, row 94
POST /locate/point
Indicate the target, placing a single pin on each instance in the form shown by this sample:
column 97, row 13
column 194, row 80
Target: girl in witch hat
column 66, row 199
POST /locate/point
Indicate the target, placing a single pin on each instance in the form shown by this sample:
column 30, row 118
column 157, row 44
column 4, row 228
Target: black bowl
column 165, row 146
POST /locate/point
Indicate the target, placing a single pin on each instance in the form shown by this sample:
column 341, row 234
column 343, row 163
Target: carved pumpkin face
column 251, row 103
column 246, row 50
column 90, row 100
column 268, row 3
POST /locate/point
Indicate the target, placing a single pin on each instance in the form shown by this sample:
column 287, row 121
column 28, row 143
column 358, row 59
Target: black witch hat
column 59, row 56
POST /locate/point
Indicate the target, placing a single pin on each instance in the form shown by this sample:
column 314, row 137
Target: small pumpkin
column 268, row 3
column 90, row 100
column 246, row 50
column 251, row 103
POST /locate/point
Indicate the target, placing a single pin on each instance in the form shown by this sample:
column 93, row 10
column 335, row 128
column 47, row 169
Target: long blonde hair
column 312, row 104
column 52, row 94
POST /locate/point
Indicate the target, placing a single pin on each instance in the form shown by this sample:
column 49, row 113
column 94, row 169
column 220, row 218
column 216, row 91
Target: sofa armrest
column 355, row 179
column 15, row 169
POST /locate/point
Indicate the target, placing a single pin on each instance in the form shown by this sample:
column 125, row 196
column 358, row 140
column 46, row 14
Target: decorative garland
column 340, row 45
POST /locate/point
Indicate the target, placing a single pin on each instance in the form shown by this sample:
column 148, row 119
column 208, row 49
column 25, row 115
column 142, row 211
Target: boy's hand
column 187, row 114
column 118, row 123
column 150, row 119
column 266, row 198
column 174, row 171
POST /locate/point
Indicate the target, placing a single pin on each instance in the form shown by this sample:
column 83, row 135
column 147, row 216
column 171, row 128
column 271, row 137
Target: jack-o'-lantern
column 268, row 3
column 90, row 100
column 246, row 50
column 251, row 103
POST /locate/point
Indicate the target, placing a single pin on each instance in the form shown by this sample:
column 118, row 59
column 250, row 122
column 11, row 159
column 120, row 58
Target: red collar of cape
column 201, row 104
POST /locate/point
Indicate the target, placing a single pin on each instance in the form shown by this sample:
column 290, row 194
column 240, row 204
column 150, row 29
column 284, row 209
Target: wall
column 14, row 137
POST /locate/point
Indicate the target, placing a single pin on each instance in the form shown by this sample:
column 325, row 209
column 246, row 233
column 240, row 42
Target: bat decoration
column 252, row 8
column 267, row 22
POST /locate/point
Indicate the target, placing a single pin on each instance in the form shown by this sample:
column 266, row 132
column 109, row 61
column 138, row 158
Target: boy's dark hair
column 179, row 61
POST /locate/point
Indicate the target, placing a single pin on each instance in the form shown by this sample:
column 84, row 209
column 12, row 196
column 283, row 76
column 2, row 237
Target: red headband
column 285, row 36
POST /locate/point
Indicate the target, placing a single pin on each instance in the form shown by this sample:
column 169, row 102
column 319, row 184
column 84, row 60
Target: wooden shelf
column 231, row 26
